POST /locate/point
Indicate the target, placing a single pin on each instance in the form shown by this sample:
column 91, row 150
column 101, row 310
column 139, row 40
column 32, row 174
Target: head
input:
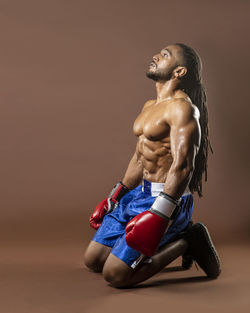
column 182, row 63
column 167, row 64
column 177, row 61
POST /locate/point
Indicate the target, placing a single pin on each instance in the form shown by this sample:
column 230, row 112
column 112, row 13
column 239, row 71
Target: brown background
column 72, row 82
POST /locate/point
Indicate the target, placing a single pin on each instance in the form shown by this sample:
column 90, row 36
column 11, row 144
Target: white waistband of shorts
column 156, row 188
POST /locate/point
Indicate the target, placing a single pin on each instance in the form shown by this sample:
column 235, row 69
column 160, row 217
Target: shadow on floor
column 172, row 281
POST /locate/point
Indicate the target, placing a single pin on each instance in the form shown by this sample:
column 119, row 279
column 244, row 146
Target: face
column 163, row 64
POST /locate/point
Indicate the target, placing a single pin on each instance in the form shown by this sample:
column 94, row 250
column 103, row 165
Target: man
column 144, row 224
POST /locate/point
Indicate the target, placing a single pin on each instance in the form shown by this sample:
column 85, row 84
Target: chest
column 152, row 123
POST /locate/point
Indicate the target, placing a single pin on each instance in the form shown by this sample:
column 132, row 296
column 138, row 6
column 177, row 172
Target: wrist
column 165, row 206
column 118, row 191
column 170, row 198
column 125, row 186
column 129, row 182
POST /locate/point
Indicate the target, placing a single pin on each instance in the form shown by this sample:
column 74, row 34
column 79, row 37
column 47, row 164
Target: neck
column 166, row 89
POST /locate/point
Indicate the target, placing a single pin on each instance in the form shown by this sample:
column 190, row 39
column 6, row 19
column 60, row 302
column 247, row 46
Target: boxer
column 145, row 222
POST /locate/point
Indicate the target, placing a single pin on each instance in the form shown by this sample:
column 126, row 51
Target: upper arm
column 185, row 134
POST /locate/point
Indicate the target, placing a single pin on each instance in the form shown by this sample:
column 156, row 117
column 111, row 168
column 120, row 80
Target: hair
column 193, row 86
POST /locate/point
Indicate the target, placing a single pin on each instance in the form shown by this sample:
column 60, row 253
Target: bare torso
column 154, row 148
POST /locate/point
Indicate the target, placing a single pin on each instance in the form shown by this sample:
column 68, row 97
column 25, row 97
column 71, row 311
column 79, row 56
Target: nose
column 155, row 58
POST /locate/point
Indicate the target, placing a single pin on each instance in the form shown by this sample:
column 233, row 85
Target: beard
column 159, row 76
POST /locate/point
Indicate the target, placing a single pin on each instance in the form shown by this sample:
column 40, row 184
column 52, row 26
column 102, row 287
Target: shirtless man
column 144, row 224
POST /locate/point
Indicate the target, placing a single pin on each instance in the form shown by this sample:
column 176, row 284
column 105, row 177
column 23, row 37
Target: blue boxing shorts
column 111, row 233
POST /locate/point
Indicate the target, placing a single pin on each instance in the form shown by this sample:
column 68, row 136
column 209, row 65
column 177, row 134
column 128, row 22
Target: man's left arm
column 185, row 135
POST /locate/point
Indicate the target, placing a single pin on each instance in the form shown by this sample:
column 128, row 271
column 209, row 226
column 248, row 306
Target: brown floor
column 51, row 279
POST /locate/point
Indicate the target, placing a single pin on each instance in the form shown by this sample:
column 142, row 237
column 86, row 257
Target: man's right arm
column 134, row 173
column 132, row 179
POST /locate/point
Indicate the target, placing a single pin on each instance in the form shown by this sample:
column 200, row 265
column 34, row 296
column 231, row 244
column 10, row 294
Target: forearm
column 134, row 173
column 177, row 180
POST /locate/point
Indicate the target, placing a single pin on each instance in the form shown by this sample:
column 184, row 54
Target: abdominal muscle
column 155, row 158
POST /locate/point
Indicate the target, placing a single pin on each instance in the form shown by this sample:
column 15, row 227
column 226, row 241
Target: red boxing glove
column 96, row 218
column 108, row 205
column 145, row 231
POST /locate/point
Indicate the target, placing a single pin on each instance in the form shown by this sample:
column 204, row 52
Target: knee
column 116, row 277
column 92, row 262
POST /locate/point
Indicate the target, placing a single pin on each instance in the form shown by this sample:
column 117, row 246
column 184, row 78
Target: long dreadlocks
column 192, row 85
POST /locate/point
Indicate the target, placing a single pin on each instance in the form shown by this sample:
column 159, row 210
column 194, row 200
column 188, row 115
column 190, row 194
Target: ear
column 180, row 71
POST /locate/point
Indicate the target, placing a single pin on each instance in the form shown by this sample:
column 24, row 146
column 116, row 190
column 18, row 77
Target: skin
column 168, row 133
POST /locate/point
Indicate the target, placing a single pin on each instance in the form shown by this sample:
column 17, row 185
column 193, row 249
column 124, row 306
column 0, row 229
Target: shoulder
column 148, row 104
column 182, row 111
